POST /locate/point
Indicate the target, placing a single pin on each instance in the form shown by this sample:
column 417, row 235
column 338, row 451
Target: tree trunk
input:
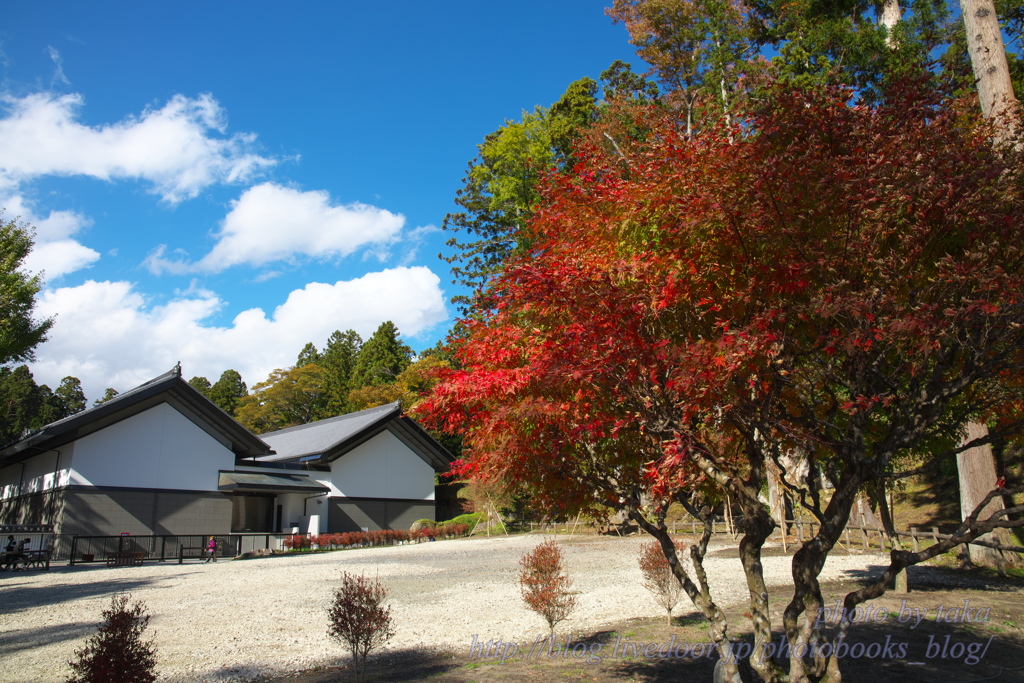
column 778, row 500
column 988, row 60
column 888, row 18
column 977, row 469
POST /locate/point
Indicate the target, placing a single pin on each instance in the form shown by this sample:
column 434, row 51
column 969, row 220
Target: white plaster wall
column 383, row 467
column 9, row 478
column 291, row 510
column 159, row 448
column 40, row 473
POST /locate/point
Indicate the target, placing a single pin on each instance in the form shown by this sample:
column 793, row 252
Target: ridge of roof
column 384, row 409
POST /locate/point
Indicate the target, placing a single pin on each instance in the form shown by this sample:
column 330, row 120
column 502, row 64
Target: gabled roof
column 328, row 440
column 168, row 388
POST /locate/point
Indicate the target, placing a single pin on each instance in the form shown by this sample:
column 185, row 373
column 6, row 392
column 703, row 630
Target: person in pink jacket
column 211, row 550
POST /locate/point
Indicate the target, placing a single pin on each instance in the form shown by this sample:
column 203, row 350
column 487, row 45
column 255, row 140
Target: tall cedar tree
column 70, row 397
column 337, row 360
column 20, row 333
column 25, row 406
column 201, row 384
column 843, row 280
column 408, row 388
column 309, row 354
column 21, row 403
column 228, row 391
column 381, row 359
column 108, row 394
column 983, row 39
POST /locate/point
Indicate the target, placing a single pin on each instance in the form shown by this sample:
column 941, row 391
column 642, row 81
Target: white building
column 163, row 459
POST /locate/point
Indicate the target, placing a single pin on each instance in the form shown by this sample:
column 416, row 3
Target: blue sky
column 219, row 183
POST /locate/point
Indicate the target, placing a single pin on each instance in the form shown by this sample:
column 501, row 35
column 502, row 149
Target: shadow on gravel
column 15, row 639
column 19, row 596
column 398, row 666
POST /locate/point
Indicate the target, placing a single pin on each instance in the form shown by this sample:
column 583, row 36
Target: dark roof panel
column 268, row 483
column 319, row 438
column 327, row 440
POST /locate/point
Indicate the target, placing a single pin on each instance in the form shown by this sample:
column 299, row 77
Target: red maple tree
column 829, row 279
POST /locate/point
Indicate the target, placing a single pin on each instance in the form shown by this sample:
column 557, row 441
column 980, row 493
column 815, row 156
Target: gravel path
column 235, row 620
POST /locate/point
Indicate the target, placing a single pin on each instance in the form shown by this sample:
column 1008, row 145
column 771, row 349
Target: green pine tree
column 381, row 358
column 228, row 391
column 337, row 360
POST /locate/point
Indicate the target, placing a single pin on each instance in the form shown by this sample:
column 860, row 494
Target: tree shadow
column 393, row 666
column 939, row 495
column 15, row 639
column 16, row 597
column 923, row 578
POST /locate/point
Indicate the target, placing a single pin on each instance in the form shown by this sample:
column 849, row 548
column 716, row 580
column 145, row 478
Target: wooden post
column 864, row 537
column 846, row 532
column 800, row 530
column 913, row 539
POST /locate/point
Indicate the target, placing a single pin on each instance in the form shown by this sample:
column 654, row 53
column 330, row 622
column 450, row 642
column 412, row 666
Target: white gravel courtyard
column 235, row 620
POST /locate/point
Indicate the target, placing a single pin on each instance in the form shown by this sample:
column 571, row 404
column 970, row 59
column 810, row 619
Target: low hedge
column 369, row 539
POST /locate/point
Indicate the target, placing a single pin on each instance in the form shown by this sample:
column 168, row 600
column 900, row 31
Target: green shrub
column 425, row 523
column 472, row 519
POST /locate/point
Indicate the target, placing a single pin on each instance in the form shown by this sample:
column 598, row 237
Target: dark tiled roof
column 318, row 438
column 319, row 443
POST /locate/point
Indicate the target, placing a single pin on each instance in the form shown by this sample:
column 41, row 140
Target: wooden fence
column 854, row 536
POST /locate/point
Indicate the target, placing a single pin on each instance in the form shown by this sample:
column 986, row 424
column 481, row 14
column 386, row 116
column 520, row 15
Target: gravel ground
column 233, row 621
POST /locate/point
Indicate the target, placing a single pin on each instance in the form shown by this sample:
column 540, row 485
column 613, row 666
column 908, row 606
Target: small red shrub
column 546, row 589
column 116, row 652
column 658, row 576
column 359, row 618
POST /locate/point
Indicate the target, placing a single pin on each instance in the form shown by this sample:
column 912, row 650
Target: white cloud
column 54, row 253
column 107, row 334
column 58, row 67
column 270, row 223
column 172, row 147
column 414, row 240
column 59, row 257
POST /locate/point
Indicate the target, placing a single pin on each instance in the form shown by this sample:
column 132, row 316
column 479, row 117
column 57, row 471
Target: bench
column 126, row 559
column 26, row 559
column 36, row 559
column 196, row 551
